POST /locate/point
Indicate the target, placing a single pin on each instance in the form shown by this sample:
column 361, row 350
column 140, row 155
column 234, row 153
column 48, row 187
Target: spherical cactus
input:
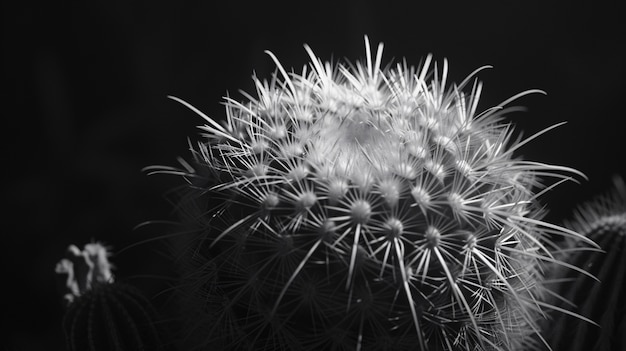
column 599, row 296
column 357, row 207
column 102, row 314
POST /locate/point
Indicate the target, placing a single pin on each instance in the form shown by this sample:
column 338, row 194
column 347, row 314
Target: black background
column 86, row 107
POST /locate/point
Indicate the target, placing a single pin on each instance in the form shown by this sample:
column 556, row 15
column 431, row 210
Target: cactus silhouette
column 352, row 206
column 600, row 299
column 102, row 314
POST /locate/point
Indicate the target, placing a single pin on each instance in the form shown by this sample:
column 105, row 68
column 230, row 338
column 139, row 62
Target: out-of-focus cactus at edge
column 356, row 206
column 602, row 299
column 102, row 314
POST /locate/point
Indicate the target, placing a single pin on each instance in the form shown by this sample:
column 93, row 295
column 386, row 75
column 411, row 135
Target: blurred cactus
column 102, row 314
column 601, row 299
column 81, row 270
column 357, row 207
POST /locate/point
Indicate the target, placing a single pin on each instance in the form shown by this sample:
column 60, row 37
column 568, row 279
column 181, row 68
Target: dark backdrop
column 86, row 107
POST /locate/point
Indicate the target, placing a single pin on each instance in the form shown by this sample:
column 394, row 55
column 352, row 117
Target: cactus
column 102, row 314
column 598, row 297
column 357, row 207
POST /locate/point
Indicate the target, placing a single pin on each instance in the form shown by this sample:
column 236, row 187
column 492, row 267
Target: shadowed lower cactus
column 602, row 299
column 102, row 314
column 358, row 207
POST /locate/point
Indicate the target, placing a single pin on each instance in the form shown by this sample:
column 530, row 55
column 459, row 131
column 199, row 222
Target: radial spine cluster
column 355, row 206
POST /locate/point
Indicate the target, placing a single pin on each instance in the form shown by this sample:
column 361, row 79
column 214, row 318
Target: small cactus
column 102, row 314
column 599, row 296
column 357, row 207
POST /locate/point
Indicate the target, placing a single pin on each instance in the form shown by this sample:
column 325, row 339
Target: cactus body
column 351, row 207
column 111, row 317
column 599, row 299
